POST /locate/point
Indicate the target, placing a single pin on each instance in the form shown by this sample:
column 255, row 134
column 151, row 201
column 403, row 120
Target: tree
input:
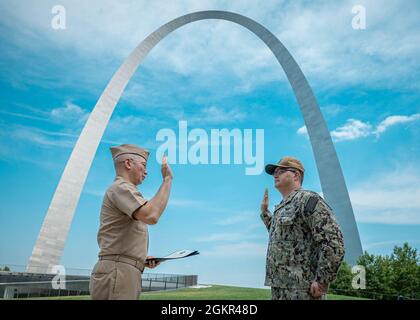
column 387, row 277
column 342, row 284
column 405, row 276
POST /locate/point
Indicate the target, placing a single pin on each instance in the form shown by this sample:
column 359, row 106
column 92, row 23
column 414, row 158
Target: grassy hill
column 215, row 292
column 218, row 292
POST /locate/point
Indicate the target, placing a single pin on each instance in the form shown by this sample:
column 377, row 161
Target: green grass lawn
column 215, row 292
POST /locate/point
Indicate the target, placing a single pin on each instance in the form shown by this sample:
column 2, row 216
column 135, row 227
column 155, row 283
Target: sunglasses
column 281, row 171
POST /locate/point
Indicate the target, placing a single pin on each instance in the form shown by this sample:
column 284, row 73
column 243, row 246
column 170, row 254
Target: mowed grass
column 215, row 292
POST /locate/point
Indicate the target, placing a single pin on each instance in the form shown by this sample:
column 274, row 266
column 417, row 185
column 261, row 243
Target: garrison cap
column 129, row 149
column 285, row 162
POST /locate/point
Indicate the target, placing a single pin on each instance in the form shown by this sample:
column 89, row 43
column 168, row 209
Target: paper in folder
column 176, row 255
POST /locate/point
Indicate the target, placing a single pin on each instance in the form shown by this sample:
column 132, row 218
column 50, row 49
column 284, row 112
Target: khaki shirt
column 119, row 232
column 303, row 247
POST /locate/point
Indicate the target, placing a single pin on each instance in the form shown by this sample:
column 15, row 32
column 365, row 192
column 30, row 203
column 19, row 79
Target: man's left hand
column 151, row 263
column 318, row 289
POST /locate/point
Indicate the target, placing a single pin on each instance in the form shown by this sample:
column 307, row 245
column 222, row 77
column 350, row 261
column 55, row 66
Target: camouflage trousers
column 292, row 294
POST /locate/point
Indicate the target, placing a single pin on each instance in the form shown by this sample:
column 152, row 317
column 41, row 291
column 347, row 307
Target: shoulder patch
column 311, row 204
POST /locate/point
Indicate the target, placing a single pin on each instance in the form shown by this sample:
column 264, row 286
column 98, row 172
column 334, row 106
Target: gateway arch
column 52, row 237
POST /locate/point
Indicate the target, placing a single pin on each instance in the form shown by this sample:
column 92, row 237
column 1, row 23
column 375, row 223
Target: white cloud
column 25, row 116
column 302, row 131
column 393, row 120
column 390, row 198
column 332, row 109
column 44, row 138
column 69, row 114
column 127, row 123
column 215, row 114
column 353, row 129
column 383, row 54
column 40, row 137
column 374, row 56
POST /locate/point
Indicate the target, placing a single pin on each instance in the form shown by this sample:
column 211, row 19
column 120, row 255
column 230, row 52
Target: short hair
column 301, row 176
column 126, row 156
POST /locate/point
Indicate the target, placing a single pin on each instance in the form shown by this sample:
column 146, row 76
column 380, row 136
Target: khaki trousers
column 112, row 280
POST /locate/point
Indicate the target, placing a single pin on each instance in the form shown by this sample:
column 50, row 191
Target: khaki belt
column 125, row 259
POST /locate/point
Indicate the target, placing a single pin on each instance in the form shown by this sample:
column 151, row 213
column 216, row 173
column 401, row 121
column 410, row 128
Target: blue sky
column 214, row 74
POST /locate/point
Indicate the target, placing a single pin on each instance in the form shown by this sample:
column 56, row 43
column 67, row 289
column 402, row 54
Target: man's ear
column 300, row 178
column 127, row 164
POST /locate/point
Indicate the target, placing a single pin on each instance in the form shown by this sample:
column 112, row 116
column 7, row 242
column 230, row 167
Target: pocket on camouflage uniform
column 282, row 252
column 288, row 229
column 287, row 253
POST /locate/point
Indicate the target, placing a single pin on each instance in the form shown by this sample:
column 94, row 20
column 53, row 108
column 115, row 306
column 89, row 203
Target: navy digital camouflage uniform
column 304, row 246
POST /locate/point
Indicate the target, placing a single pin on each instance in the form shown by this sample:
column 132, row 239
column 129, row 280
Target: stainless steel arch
column 50, row 243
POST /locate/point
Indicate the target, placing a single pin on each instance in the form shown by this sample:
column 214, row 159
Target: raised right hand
column 166, row 169
column 264, row 203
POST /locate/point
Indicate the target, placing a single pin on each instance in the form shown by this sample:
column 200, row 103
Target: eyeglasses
column 139, row 161
column 281, row 171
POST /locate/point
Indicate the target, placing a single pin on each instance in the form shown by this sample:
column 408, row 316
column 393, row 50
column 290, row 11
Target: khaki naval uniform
column 123, row 243
column 305, row 245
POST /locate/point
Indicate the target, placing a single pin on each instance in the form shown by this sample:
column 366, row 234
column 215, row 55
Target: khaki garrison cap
column 129, row 149
column 285, row 162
